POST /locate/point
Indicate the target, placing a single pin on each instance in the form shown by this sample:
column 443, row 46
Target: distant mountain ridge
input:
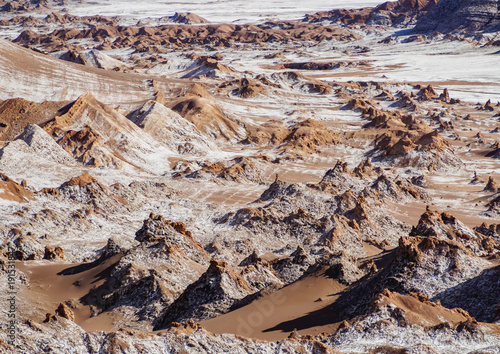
column 467, row 16
column 391, row 13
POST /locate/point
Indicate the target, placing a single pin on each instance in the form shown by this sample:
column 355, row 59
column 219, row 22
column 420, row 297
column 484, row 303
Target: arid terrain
column 250, row 177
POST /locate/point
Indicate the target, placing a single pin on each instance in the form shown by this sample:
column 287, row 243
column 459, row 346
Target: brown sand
column 13, row 191
column 49, row 286
column 420, row 311
column 260, row 318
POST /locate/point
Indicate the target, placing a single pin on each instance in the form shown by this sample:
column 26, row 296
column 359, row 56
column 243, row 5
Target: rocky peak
column 12, row 190
column 294, row 266
column 217, row 267
column 212, row 294
column 491, row 186
column 412, row 248
column 188, row 18
column 158, row 229
column 80, row 181
column 65, row 311
column 365, row 168
column 52, row 253
column 427, row 93
column 278, row 188
column 156, row 226
column 447, row 227
column 343, row 178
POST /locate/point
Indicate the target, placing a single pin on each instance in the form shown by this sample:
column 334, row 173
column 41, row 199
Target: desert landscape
column 250, row 177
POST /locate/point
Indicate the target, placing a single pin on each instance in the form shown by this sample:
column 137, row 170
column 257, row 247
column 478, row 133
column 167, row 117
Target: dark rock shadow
column 81, row 267
column 480, row 296
column 352, row 302
column 403, row 32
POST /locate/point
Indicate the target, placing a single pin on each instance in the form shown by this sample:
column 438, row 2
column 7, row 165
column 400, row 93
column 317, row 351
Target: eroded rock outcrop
column 209, row 118
column 17, row 113
column 33, row 143
column 148, row 277
column 304, row 137
column 96, row 135
column 10, row 190
column 171, row 129
column 214, row 293
column 242, row 169
column 446, row 226
column 188, row 18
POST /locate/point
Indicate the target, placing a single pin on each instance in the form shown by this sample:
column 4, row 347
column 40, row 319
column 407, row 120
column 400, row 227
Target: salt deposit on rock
column 97, row 135
column 208, row 117
column 172, row 130
column 99, row 60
